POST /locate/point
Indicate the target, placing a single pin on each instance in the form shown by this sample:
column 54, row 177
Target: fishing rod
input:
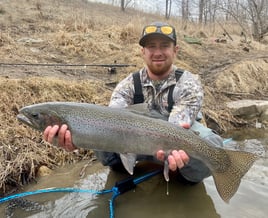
column 64, row 65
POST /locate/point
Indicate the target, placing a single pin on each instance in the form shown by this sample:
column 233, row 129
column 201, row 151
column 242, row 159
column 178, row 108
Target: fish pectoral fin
column 138, row 108
column 129, row 161
column 166, row 170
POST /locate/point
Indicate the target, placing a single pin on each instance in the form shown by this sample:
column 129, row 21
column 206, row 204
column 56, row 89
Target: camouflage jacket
column 187, row 95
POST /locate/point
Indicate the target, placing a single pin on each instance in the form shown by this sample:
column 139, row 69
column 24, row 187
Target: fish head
column 39, row 116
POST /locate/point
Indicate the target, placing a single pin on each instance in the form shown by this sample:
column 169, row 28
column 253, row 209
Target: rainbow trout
column 128, row 133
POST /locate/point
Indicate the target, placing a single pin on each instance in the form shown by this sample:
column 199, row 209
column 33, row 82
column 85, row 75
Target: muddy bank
column 243, row 79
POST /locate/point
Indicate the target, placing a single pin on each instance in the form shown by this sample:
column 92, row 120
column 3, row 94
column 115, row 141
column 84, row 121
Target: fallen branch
column 225, row 31
column 234, row 93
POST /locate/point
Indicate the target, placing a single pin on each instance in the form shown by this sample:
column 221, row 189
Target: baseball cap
column 158, row 28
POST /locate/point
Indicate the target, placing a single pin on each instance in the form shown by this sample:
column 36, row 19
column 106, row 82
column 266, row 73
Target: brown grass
column 84, row 31
column 22, row 150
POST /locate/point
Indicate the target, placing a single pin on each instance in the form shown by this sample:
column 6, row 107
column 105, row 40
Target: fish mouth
column 22, row 118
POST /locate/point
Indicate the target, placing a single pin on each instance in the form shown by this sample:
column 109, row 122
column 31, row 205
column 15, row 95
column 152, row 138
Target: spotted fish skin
column 122, row 131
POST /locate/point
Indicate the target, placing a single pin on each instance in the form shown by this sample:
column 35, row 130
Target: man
column 157, row 79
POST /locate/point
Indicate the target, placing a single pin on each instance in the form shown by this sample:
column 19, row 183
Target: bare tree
column 258, row 17
column 248, row 12
column 124, row 4
column 201, row 10
column 185, row 9
column 168, row 8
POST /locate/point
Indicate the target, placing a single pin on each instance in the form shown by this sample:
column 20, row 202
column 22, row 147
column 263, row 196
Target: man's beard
column 159, row 70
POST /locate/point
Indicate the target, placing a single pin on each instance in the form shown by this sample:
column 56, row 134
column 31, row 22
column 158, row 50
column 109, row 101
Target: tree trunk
column 168, row 9
column 122, row 5
column 201, row 10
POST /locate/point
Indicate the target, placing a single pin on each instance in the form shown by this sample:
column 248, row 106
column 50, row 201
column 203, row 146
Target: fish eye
column 35, row 115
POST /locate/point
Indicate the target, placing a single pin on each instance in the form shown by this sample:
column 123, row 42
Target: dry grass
column 249, row 76
column 22, row 149
column 246, row 79
column 90, row 33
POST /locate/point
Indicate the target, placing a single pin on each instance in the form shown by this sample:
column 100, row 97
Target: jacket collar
column 171, row 79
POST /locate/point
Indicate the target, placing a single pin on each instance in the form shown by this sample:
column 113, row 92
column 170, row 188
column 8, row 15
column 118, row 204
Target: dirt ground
column 73, row 32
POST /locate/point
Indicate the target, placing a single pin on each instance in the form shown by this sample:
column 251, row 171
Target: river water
column 149, row 198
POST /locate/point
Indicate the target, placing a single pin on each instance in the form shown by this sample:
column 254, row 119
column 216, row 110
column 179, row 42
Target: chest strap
column 139, row 97
column 178, row 74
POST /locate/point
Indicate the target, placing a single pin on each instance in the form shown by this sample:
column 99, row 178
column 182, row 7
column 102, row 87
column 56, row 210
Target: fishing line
column 64, row 65
column 119, row 188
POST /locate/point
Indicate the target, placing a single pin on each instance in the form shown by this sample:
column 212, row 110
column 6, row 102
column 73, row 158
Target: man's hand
column 64, row 136
column 176, row 159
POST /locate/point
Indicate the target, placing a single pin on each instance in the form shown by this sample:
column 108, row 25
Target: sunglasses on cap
column 167, row 30
column 162, row 29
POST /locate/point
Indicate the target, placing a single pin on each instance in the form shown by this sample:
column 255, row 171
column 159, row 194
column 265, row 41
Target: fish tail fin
column 227, row 182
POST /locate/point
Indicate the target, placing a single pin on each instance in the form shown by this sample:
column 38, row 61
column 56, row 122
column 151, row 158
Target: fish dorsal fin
column 139, row 108
column 129, row 161
column 144, row 110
